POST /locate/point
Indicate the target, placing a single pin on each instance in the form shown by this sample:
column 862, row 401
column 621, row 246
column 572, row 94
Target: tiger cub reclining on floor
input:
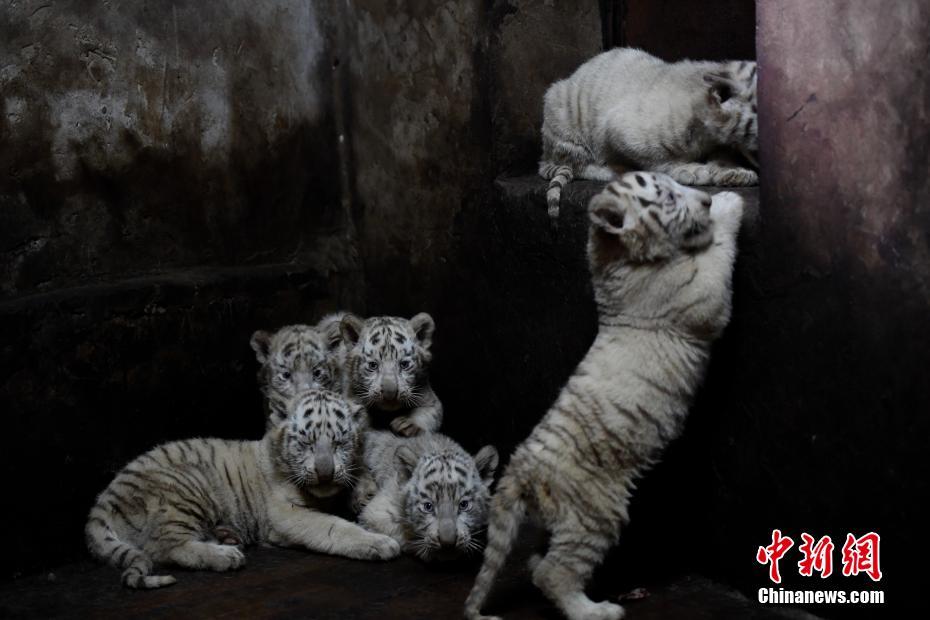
column 431, row 496
column 164, row 506
column 661, row 260
column 292, row 359
column 691, row 120
column 387, row 369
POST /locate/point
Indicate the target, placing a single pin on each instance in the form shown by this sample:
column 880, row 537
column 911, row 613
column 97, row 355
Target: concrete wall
column 676, row 29
column 822, row 424
column 443, row 97
column 168, row 183
column 142, row 137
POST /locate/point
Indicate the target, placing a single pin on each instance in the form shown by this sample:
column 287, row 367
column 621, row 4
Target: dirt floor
column 280, row 583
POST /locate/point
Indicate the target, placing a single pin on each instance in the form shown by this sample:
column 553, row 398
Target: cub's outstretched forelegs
column 296, row 525
column 710, row 173
column 426, row 418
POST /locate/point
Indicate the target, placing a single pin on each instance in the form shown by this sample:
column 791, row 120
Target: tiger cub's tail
column 507, row 512
column 105, row 544
column 559, row 176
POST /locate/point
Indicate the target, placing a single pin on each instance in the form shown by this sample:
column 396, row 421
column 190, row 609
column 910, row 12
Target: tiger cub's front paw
column 363, row 493
column 737, row 177
column 726, row 205
column 381, row 547
column 403, row 426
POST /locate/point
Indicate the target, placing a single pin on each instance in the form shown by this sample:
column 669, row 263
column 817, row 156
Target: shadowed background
column 174, row 177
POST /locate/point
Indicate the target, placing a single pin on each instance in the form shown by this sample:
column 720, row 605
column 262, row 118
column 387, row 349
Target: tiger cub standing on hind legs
column 661, row 259
column 164, row 506
column 691, row 120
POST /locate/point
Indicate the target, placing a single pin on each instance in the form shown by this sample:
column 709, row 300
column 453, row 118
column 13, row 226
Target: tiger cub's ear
column 721, row 87
column 279, row 408
column 332, row 334
column 612, row 215
column 486, row 460
column 350, row 327
column 423, row 327
column 358, row 412
column 261, row 344
column 406, row 461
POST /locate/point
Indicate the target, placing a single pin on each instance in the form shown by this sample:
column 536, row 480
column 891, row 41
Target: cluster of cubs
column 415, row 485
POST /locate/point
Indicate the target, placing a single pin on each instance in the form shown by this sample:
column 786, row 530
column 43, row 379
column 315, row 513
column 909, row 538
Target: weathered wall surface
column 144, row 137
column 418, row 137
column 168, row 184
column 676, row 29
column 824, row 425
column 443, row 96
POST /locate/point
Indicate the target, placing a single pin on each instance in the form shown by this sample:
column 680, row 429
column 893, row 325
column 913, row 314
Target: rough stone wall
column 824, row 426
column 676, row 29
column 145, row 137
column 418, row 135
column 444, row 97
column 535, row 43
column 168, row 184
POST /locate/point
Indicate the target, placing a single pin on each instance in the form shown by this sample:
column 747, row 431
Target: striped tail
column 503, row 526
column 559, row 177
column 106, row 545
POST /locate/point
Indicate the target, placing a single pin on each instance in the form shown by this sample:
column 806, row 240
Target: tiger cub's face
column 388, row 359
column 445, row 500
column 732, row 95
column 316, row 439
column 647, row 216
column 295, row 358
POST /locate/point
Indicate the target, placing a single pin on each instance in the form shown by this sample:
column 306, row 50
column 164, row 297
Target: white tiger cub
column 164, row 506
column 387, row 368
column 431, row 496
column 627, row 108
column 292, row 359
column 296, row 358
column 661, row 259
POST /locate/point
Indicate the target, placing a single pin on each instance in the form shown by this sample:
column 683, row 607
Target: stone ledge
column 529, row 192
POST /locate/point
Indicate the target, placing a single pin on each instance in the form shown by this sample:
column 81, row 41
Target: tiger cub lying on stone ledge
column 425, row 492
column 164, row 507
column 691, row 120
